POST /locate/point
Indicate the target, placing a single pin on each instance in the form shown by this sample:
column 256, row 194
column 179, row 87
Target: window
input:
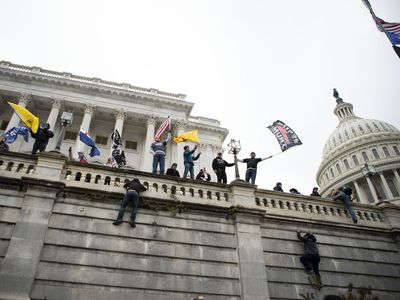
column 355, row 160
column 386, row 151
column 346, row 164
column 396, row 150
column 70, row 135
column 3, row 125
column 365, row 156
column 333, row 174
column 338, row 169
column 375, row 153
column 101, row 140
column 131, row 145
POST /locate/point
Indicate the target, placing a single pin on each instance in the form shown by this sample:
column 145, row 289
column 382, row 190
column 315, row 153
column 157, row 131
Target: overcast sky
column 245, row 63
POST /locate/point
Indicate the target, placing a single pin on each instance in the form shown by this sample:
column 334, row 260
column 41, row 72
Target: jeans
column 311, row 262
column 188, row 168
column 38, row 146
column 251, row 175
column 129, row 196
column 158, row 159
column 221, row 176
column 347, row 205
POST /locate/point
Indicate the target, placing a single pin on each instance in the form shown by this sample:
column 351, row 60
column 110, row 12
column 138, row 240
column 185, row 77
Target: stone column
column 178, row 148
column 23, row 100
column 85, row 125
column 372, row 188
column 253, row 275
column 55, row 110
column 120, row 116
column 23, row 254
column 396, row 174
column 147, row 157
column 386, row 188
column 360, row 193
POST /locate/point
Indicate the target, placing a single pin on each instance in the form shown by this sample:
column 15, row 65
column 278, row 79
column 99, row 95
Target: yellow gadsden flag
column 190, row 136
column 30, row 120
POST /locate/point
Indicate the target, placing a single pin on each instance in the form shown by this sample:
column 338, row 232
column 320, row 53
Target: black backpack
column 347, row 190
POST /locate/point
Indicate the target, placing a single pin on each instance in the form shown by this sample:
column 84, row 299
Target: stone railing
column 237, row 194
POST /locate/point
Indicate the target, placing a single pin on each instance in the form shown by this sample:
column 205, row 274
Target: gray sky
column 246, row 63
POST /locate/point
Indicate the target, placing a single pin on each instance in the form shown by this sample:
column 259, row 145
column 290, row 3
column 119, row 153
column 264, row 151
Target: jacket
column 220, row 164
column 43, row 135
column 310, row 243
column 159, row 147
column 188, row 157
column 135, row 185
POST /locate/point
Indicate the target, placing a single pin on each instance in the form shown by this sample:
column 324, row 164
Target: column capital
column 181, row 124
column 24, row 98
column 57, row 103
column 151, row 119
column 120, row 114
column 90, row 108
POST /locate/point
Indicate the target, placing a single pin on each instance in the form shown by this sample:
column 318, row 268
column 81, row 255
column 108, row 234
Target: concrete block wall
column 354, row 255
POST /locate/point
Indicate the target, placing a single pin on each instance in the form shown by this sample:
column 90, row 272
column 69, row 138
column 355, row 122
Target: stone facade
column 231, row 242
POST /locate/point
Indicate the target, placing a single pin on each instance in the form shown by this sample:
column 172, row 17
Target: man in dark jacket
column 188, row 159
column 173, row 171
column 203, row 175
column 3, row 146
column 133, row 188
column 315, row 192
column 41, row 137
column 278, row 187
column 343, row 194
column 219, row 165
column 311, row 259
column 158, row 150
column 252, row 163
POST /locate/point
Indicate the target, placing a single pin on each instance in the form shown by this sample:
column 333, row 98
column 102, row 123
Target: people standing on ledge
column 173, row 171
column 158, row 151
column 188, row 159
column 294, row 191
column 41, row 137
column 343, row 194
column 252, row 163
column 219, row 165
column 311, row 258
column 3, row 145
column 315, row 192
column 81, row 156
column 278, row 187
column 203, row 175
column 133, row 188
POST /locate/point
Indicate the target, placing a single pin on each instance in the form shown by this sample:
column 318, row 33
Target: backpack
column 347, row 190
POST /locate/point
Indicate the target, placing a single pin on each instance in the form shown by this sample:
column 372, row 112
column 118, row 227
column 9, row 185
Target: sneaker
column 355, row 221
column 117, row 222
column 132, row 224
column 308, row 271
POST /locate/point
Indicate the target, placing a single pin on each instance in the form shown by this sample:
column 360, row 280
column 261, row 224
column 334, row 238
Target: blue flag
column 11, row 135
column 87, row 140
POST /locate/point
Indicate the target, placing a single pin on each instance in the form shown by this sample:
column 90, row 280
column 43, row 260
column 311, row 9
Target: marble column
column 388, row 192
column 23, row 100
column 360, row 193
column 147, row 157
column 120, row 116
column 178, row 148
column 372, row 189
column 396, row 174
column 85, row 125
column 55, row 110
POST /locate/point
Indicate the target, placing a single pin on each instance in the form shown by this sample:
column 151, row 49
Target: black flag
column 117, row 153
column 285, row 135
column 397, row 50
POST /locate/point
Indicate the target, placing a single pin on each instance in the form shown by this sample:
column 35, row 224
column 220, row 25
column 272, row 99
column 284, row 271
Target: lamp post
column 66, row 121
column 234, row 148
column 369, row 171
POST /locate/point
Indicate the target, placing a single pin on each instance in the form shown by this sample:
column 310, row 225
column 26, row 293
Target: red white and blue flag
column 87, row 140
column 166, row 124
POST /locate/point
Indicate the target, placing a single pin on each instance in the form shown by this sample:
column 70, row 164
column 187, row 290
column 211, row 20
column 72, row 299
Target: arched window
column 386, row 151
column 338, row 169
column 333, row 174
column 365, row 156
column 396, row 150
column 375, row 153
column 346, row 164
column 355, row 160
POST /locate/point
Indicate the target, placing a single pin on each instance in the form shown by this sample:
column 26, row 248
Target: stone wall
column 231, row 242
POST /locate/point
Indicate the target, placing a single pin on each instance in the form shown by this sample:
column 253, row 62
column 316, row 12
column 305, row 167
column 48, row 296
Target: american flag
column 166, row 124
column 389, row 27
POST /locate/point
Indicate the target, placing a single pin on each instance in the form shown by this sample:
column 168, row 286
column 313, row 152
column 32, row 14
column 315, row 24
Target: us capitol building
column 225, row 242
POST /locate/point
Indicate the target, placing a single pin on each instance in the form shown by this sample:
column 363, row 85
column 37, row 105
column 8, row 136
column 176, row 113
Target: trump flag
column 286, row 137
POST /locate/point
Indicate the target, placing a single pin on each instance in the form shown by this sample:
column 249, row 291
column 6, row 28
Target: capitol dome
column 358, row 143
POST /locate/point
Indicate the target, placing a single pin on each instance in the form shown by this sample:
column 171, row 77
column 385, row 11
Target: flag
column 118, row 155
column 30, row 120
column 190, row 136
column 11, row 135
column 285, row 135
column 166, row 124
column 392, row 30
column 87, row 140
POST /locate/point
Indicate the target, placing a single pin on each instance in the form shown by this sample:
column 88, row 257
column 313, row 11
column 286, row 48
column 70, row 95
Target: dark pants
column 311, row 262
column 158, row 159
column 129, row 196
column 38, row 146
column 221, row 176
column 188, row 168
column 251, row 175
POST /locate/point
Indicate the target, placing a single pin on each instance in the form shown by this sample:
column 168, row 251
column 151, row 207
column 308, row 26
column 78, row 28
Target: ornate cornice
column 24, row 99
column 181, row 124
column 90, row 108
column 58, row 103
column 120, row 114
column 151, row 119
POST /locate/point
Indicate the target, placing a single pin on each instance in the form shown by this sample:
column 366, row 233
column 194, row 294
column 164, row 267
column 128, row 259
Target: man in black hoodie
column 133, row 188
column 311, row 259
column 41, row 137
column 219, row 165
